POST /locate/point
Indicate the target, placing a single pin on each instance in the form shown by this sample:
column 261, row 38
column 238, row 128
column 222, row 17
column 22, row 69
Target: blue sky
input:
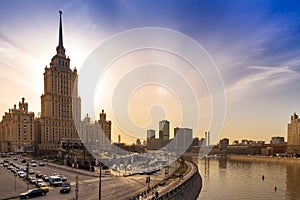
column 255, row 45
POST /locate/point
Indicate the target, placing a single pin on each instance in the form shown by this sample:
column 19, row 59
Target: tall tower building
column 59, row 111
column 293, row 135
column 164, row 132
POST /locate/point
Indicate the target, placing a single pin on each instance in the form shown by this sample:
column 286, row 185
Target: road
column 112, row 187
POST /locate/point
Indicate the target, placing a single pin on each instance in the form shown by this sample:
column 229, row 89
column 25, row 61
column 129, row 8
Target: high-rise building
column 164, row 132
column 60, row 103
column 18, row 129
column 150, row 139
column 293, row 135
column 59, row 124
column 183, row 138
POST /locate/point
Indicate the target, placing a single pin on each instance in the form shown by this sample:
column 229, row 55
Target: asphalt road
column 112, row 187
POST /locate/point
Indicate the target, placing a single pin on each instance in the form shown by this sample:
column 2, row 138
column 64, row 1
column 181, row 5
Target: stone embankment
column 187, row 188
column 266, row 159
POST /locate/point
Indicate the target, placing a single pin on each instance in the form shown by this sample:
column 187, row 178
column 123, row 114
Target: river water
column 234, row 180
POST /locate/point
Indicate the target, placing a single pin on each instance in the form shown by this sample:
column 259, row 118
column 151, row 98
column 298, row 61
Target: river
column 234, row 180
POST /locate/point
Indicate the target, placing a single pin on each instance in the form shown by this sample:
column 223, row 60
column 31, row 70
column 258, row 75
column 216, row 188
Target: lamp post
column 100, row 170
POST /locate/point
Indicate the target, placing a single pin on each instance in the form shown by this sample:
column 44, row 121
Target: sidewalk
column 78, row 171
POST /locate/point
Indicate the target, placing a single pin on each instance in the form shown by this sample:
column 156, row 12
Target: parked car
column 65, row 188
column 23, row 161
column 33, row 165
column 41, row 164
column 33, row 193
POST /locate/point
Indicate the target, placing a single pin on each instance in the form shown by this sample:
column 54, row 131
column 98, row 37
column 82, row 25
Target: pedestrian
column 275, row 188
column 263, row 177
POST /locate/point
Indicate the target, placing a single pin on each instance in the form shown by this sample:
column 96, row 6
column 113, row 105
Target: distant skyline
column 255, row 45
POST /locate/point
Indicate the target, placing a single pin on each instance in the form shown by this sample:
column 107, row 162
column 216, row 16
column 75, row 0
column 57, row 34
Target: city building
column 60, row 103
column 164, row 132
column 59, row 126
column 18, row 129
column 151, row 139
column 223, row 143
column 277, row 140
column 293, row 135
column 183, row 138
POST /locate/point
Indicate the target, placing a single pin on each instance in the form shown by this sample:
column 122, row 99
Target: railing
column 168, row 194
column 181, row 187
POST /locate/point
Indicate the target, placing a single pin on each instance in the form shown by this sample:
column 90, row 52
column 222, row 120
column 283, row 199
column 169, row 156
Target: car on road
column 1, row 161
column 33, row 165
column 33, row 193
column 45, row 178
column 38, row 175
column 63, row 178
column 40, row 182
column 41, row 164
column 32, row 180
column 15, row 158
column 46, row 188
column 55, row 181
column 23, row 161
column 5, row 164
column 21, row 174
column 65, row 188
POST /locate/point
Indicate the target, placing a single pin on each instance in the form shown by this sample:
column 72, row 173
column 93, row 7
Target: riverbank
column 264, row 159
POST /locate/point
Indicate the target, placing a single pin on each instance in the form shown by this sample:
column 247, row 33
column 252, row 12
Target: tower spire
column 60, row 42
column 60, row 48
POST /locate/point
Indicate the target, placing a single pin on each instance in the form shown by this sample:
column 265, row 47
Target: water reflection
column 235, row 180
column 293, row 181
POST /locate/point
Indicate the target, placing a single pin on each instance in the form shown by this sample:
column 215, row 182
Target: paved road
column 112, row 187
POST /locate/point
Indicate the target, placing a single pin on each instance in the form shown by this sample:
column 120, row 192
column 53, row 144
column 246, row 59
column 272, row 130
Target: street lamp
column 100, row 170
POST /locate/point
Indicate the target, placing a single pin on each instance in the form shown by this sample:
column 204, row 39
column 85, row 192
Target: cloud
column 261, row 78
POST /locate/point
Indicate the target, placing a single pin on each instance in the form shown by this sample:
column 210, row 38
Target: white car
column 21, row 174
column 40, row 182
column 33, row 165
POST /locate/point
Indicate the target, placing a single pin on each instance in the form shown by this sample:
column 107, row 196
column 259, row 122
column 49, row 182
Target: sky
column 254, row 45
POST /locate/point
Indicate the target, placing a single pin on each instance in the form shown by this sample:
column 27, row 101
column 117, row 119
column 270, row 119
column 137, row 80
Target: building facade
column 151, row 139
column 164, row 132
column 183, row 138
column 18, row 129
column 60, row 103
column 60, row 120
column 293, row 135
column 277, row 140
